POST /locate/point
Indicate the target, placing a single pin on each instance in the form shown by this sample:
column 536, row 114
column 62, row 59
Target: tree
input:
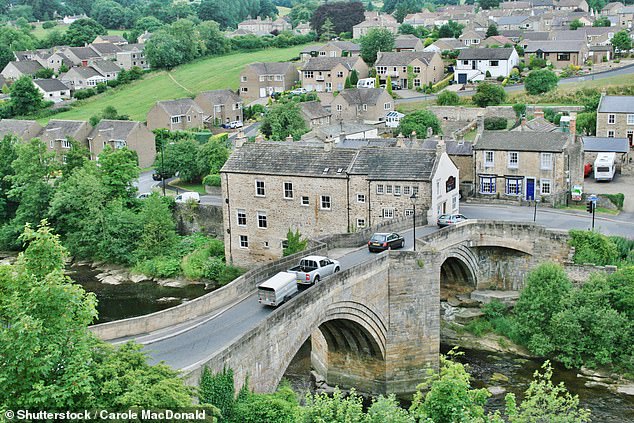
column 540, row 81
column 419, row 121
column 182, row 157
column 158, row 237
column 354, row 77
column 44, row 73
column 119, row 170
column 622, row 41
column 213, row 155
column 163, row 51
column 84, row 31
column 451, row 29
column 109, row 13
column 6, row 55
column 576, row 24
column 388, row 84
column 343, row 15
column 602, row 21
column 448, row 98
column 148, row 23
column 294, row 243
column 489, row 4
column 25, row 97
column 16, row 39
column 327, row 30
column 213, row 39
column 7, row 156
column 520, row 110
column 377, row 39
column 283, row 120
column 587, row 123
column 492, row 30
column 488, row 94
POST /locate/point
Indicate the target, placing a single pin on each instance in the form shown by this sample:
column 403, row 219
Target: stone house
column 612, row 8
column 314, row 114
column 328, row 74
column 132, row 55
column 106, row 51
column 471, row 38
column 220, row 106
column 271, row 188
column 113, row 39
column 24, row 129
column 57, row 133
column 53, row 60
column 375, row 20
column 572, row 5
column 123, row 133
column 525, row 22
column 110, row 70
column 331, row 49
column 80, row 77
column 260, row 80
column 265, row 26
column 362, row 104
column 422, row 67
column 615, row 117
column 408, row 42
column 473, row 64
column 52, row 89
column 424, row 18
column 527, row 165
column 81, row 56
column 17, row 69
column 559, row 53
column 175, row 115
column 626, row 17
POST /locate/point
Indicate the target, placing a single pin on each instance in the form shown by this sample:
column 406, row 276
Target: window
column 487, row 185
column 381, row 70
column 397, row 190
column 270, row 77
column 288, row 190
column 259, row 188
column 244, row 89
column 340, row 74
column 325, row 202
column 243, row 78
column 454, row 203
column 388, row 213
column 546, row 161
column 360, row 198
column 242, row 217
column 513, row 186
column 409, row 212
column 278, row 77
column 610, row 134
column 630, row 119
column 563, row 56
column 339, row 107
column 417, row 69
column 51, row 143
column 379, row 189
column 488, row 159
column 176, row 119
column 513, row 159
column 388, row 189
column 244, row 241
column 465, row 62
column 611, row 119
column 407, row 190
column 545, row 186
column 387, row 106
column 66, row 144
column 189, row 118
column 262, row 78
column 305, row 201
column 414, row 190
column 262, row 223
column 494, row 63
column 308, row 74
column 360, row 223
column 365, row 107
column 417, row 82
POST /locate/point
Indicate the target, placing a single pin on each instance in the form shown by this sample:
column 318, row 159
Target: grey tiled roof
column 313, row 109
column 64, row 128
column 606, row 145
column 84, row 53
column 27, row 67
column 220, row 96
column 361, row 95
column 327, row 63
column 132, row 47
column 522, row 141
column 394, row 164
column 105, row 66
column 113, row 38
column 16, row 127
column 49, row 85
column 569, row 35
column 85, row 71
column 403, row 58
column 105, row 48
column 486, row 53
column 406, row 41
column 512, row 20
column 616, row 104
column 114, row 129
column 347, row 45
column 554, row 46
column 271, row 68
column 538, row 124
column 536, row 35
column 179, row 107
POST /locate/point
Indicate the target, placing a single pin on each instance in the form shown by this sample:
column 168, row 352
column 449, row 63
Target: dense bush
column 86, row 93
column 616, row 199
column 495, row 123
column 212, row 180
column 593, row 247
column 448, row 98
column 488, row 94
column 540, row 81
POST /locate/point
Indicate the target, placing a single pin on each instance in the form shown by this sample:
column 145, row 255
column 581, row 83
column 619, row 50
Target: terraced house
column 175, row 115
column 615, row 117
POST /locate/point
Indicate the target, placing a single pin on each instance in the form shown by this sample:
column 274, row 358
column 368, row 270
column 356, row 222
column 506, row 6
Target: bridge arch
column 458, row 271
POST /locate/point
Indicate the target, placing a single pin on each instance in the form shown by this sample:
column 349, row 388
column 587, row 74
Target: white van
column 278, row 289
column 604, row 166
column 366, row 83
column 188, row 196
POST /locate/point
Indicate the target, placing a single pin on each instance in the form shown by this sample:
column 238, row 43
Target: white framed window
column 611, row 119
column 397, row 190
column 305, row 201
column 340, row 74
column 288, row 190
column 513, row 186
column 494, row 63
column 360, row 198
column 380, row 189
column 243, row 78
column 417, row 82
column 488, row 159
column 387, row 106
column 454, row 203
column 487, row 185
column 325, row 202
column 51, row 143
column 409, row 212
column 407, row 190
column 259, row 188
column 308, row 74
column 242, row 217
column 546, row 160
column 610, row 134
column 415, row 190
column 388, row 213
column 66, row 144
column 339, row 107
column 244, row 89
column 416, row 69
column 365, row 107
column 176, row 119
column 262, row 222
column 244, row 241
column 388, row 189
column 360, row 223
column 262, row 78
column 278, row 77
column 189, row 118
column 514, row 158
column 545, row 186
column 630, row 119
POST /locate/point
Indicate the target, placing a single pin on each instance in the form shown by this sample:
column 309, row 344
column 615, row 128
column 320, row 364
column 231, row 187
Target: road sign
column 593, row 198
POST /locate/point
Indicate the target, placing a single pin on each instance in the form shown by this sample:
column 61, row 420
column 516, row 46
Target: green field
column 40, row 32
column 212, row 73
column 283, row 11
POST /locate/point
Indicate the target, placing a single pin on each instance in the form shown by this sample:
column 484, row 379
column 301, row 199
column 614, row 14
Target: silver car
column 450, row 219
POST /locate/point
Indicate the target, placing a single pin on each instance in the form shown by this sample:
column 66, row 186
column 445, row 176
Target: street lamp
column 413, row 198
column 535, row 212
column 163, row 165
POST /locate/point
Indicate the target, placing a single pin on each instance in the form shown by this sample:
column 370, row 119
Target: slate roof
column 27, row 67
column 50, row 85
column 394, row 164
column 512, row 20
column 84, row 71
column 84, row 53
column 179, row 107
column 486, row 53
column 327, row 63
column 403, row 58
column 616, row 104
column 554, row 46
column 361, row 95
column 132, row 47
column 605, row 145
column 406, row 41
column 64, row 128
column 219, row 97
column 347, row 45
column 522, row 141
column 271, row 68
column 538, row 124
column 313, row 110
column 569, row 35
column 498, row 39
column 536, row 35
column 335, row 130
column 114, row 129
column 113, row 38
column 16, row 127
column 105, row 66
column 105, row 48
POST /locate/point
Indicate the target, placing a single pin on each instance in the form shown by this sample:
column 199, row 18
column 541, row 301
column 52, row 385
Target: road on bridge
column 188, row 345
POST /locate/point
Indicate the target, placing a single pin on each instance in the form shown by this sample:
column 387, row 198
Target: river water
column 605, row 406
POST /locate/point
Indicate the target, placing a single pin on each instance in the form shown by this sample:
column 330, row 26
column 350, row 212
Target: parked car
column 450, row 219
column 188, row 196
column 235, row 124
column 278, row 289
column 312, row 269
column 157, row 176
column 143, row 195
column 299, row 91
column 395, row 85
column 587, row 170
column 385, row 241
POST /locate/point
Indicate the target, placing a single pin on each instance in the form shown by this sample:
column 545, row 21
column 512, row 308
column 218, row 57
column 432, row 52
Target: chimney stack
column 413, row 136
column 538, row 113
column 430, row 132
column 240, row 139
column 523, row 124
column 400, row 140
column 289, row 139
column 441, row 147
column 259, row 138
column 328, row 143
column 573, row 124
column 480, row 124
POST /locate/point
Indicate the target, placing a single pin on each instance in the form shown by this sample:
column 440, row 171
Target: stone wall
column 580, row 273
column 472, row 113
column 205, row 218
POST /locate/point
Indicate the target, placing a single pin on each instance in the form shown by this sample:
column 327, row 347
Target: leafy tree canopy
column 378, row 39
column 540, row 81
column 488, row 94
column 418, row 122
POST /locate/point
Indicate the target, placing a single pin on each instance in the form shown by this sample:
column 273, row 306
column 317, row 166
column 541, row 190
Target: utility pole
column 163, row 165
column 591, row 206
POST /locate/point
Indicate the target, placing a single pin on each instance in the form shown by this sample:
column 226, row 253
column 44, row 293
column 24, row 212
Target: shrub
column 82, row 94
column 540, row 81
column 495, row 123
column 488, row 95
column 479, row 327
column 448, row 98
column 49, row 24
column 160, row 267
column 500, row 78
column 212, row 180
column 494, row 309
column 624, row 247
column 593, row 247
column 488, row 74
column 101, row 87
column 616, row 199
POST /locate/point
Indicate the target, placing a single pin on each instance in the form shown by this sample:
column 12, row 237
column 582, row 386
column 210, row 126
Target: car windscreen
column 378, row 238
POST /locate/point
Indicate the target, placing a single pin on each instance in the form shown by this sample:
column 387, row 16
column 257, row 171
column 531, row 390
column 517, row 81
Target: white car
column 143, row 195
column 236, row 124
column 299, row 91
column 188, row 197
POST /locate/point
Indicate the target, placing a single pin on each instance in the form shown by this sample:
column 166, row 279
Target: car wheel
column 402, row 243
column 316, row 280
column 337, row 269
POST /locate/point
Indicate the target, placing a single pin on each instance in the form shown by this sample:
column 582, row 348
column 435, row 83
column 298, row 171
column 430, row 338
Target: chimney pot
column 573, row 124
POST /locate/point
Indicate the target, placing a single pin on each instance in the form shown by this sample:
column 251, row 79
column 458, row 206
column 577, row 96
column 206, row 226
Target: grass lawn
column 211, row 73
column 283, row 11
column 199, row 188
column 40, row 32
column 598, row 209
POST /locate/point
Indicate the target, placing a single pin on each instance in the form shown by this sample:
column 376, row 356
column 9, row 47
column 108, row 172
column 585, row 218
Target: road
column 625, row 70
column 197, row 343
